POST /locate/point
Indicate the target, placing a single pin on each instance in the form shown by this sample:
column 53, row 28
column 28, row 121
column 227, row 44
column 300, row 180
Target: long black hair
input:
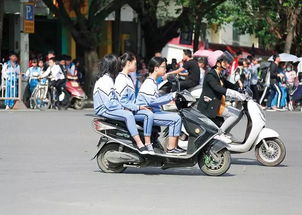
column 108, row 64
column 127, row 56
column 155, row 62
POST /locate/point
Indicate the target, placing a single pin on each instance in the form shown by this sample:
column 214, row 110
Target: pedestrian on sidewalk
column 10, row 73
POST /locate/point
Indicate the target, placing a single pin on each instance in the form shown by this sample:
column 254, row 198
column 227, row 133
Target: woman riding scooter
column 125, row 90
column 215, row 89
column 149, row 96
column 105, row 100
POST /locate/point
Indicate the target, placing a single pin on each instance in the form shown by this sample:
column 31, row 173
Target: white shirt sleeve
column 4, row 71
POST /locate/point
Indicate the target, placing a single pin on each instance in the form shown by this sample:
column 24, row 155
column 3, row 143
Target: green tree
column 86, row 29
column 276, row 23
column 157, row 32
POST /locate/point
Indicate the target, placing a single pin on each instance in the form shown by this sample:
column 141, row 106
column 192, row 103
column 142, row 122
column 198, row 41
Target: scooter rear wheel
column 103, row 163
column 215, row 168
column 272, row 156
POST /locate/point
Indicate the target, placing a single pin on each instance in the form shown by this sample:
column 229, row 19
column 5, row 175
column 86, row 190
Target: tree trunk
column 1, row 24
column 153, row 44
column 116, row 33
column 291, row 26
column 90, row 60
column 197, row 34
column 289, row 40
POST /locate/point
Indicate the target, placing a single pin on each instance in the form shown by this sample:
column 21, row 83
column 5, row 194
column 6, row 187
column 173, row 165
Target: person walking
column 274, row 87
column 254, row 79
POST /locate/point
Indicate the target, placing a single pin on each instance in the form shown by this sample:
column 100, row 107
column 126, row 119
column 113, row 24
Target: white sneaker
column 150, row 149
column 223, row 138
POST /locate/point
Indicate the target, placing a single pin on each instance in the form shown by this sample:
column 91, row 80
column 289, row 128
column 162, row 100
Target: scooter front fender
column 217, row 145
column 266, row 133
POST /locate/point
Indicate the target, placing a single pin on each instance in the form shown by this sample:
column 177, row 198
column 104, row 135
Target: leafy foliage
column 270, row 20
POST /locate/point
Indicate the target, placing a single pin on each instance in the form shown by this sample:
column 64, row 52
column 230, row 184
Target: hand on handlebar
column 234, row 94
column 144, row 108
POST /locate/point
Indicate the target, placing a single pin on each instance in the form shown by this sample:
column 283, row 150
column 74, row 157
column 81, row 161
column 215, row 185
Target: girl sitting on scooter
column 215, row 88
column 125, row 90
column 105, row 100
column 148, row 95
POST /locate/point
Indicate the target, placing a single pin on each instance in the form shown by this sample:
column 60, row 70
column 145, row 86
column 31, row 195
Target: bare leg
column 147, row 140
column 173, row 143
column 138, row 141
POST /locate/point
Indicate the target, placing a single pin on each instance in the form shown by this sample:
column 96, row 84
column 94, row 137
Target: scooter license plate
column 74, row 84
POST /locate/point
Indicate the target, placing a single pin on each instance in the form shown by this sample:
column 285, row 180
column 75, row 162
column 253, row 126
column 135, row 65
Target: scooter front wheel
column 215, row 167
column 79, row 104
column 104, row 164
column 271, row 152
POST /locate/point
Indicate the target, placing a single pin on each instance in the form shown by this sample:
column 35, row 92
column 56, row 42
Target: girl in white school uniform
column 125, row 91
column 149, row 96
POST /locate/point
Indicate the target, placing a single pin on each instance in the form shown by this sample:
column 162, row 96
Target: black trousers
column 256, row 96
column 59, row 84
column 274, row 88
column 187, row 84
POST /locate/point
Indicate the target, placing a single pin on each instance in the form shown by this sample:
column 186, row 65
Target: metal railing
column 10, row 86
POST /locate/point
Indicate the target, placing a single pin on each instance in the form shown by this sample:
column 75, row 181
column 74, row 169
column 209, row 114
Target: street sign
column 29, row 18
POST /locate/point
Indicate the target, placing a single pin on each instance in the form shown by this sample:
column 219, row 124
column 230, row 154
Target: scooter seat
column 119, row 123
column 140, row 125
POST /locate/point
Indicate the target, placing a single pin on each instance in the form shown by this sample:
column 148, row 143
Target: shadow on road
column 249, row 162
column 156, row 171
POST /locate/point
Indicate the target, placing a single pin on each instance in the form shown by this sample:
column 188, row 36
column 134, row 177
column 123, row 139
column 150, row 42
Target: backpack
column 265, row 74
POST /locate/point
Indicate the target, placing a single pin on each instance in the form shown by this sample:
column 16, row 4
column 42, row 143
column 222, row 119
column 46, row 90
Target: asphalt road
column 45, row 168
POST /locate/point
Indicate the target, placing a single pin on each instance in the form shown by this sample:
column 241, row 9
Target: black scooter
column 116, row 149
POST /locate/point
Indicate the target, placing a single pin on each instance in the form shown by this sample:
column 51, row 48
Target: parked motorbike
column 116, row 149
column 77, row 94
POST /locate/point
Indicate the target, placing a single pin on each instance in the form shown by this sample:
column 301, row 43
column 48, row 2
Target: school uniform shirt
column 55, row 71
column 10, row 72
column 71, row 69
column 30, row 73
column 104, row 96
column 125, row 92
column 148, row 95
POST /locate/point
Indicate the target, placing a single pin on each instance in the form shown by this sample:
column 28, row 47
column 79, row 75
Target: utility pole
column 24, row 40
column 26, row 26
